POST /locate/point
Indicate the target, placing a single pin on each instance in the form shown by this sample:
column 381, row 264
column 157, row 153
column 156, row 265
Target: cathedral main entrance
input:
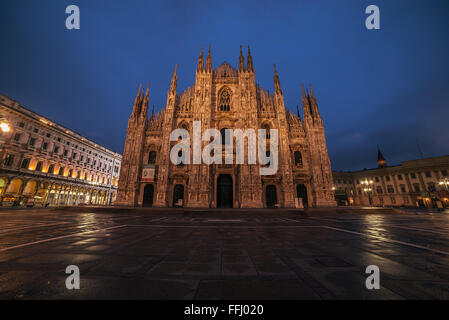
column 224, row 191
column 272, row 199
column 148, row 193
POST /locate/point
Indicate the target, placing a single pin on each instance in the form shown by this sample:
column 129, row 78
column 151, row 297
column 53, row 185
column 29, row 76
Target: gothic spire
column 277, row 83
column 144, row 111
column 209, row 62
column 201, row 61
column 305, row 103
column 152, row 113
column 314, row 105
column 148, row 91
column 138, row 95
column 137, row 101
column 241, row 61
column 309, row 100
column 250, row 66
column 299, row 115
column 174, row 80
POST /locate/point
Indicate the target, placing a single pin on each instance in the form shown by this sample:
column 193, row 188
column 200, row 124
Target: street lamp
column 4, row 126
column 367, row 182
column 445, row 182
column 368, row 188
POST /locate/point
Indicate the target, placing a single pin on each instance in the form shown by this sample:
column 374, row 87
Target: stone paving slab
column 173, row 254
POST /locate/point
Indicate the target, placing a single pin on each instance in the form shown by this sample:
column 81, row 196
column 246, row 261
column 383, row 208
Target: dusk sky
column 387, row 87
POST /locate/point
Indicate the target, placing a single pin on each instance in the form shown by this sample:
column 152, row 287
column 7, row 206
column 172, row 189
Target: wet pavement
column 223, row 255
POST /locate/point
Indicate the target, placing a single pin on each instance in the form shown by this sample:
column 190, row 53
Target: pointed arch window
column 298, row 158
column 266, row 127
column 268, row 155
column 152, row 157
column 224, row 137
column 182, row 158
column 224, row 100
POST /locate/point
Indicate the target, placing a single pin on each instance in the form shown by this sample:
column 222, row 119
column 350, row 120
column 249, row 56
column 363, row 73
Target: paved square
column 260, row 254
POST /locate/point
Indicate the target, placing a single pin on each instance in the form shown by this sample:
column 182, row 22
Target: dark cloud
column 388, row 87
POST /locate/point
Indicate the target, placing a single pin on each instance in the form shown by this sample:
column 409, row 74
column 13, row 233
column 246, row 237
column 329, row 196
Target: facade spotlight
column 4, row 126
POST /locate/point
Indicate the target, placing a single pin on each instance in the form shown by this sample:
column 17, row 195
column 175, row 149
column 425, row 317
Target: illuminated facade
column 225, row 98
column 43, row 163
column 422, row 182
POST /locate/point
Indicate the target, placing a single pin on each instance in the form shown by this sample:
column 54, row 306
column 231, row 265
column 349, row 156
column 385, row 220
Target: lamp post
column 368, row 184
column 445, row 182
column 4, row 126
column 5, row 129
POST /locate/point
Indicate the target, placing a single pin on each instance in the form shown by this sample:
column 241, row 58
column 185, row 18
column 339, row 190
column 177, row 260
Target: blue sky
column 388, row 87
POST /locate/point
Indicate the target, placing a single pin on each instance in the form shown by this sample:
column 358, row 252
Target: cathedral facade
column 225, row 98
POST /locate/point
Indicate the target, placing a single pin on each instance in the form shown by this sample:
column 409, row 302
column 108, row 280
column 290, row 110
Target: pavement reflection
column 173, row 254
